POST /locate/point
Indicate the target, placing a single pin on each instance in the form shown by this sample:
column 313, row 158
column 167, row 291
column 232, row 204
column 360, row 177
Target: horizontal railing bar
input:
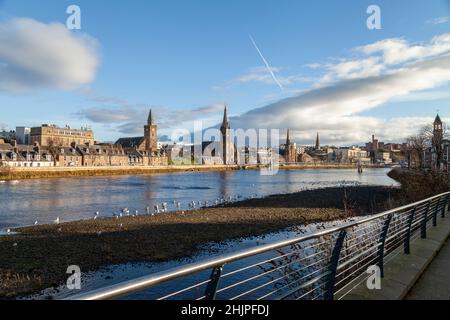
column 270, row 282
column 273, row 270
column 184, row 290
column 304, row 285
column 277, row 258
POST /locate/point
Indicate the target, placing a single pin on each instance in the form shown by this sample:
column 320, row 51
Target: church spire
column 437, row 120
column 150, row 118
column 288, row 139
column 317, row 142
column 225, row 124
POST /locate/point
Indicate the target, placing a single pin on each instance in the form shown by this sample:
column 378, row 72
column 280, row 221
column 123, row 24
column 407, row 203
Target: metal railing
column 325, row 264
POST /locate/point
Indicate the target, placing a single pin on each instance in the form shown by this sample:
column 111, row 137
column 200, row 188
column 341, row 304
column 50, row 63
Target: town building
column 144, row 150
column 50, row 135
column 437, row 153
column 15, row 155
column 290, row 150
column 352, row 155
column 146, row 143
column 227, row 147
column 7, row 136
column 23, row 135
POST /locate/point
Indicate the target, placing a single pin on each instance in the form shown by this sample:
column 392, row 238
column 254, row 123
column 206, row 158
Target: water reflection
column 23, row 202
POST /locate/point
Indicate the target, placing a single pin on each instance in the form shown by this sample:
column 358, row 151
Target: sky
column 312, row 66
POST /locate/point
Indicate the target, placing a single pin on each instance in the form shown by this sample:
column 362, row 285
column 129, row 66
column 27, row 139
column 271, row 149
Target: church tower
column 438, row 136
column 289, row 150
column 438, row 132
column 317, row 142
column 225, row 140
column 150, row 135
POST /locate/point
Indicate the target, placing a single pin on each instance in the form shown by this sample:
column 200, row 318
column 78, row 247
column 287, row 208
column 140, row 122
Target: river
column 23, row 202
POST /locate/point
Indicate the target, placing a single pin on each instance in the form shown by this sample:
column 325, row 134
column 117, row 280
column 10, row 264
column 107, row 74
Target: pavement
column 434, row 283
column 424, row 274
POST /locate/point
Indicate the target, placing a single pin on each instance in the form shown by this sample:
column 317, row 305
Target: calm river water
column 25, row 201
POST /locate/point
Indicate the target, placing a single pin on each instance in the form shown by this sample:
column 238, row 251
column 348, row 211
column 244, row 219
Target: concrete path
column 434, row 283
column 423, row 274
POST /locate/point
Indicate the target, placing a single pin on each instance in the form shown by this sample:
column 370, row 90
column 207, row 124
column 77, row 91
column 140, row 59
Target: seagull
column 97, row 213
column 8, row 230
column 57, row 220
column 35, row 223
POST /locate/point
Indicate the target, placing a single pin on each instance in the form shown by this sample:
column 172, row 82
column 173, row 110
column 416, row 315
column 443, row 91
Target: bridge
column 402, row 253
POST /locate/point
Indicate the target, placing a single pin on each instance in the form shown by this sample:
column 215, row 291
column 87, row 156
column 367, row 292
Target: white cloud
column 396, row 51
column 351, row 87
column 37, row 55
column 439, row 20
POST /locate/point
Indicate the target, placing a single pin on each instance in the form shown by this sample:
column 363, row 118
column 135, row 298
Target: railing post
column 333, row 264
column 423, row 226
column 382, row 242
column 435, row 212
column 211, row 288
column 408, row 232
column 444, row 209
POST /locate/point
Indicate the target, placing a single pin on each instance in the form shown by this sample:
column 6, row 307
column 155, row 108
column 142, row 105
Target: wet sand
column 38, row 256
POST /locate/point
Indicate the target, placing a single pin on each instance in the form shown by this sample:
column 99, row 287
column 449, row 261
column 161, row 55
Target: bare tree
column 416, row 146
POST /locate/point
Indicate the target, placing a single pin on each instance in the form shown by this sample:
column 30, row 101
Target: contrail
column 266, row 63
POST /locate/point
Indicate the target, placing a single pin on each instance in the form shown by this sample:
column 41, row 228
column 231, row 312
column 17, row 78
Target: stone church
column 148, row 143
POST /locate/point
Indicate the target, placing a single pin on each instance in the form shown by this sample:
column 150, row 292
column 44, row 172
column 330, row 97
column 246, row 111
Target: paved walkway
column 434, row 284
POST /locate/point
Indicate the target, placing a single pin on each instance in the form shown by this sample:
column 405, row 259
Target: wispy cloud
column 439, row 20
column 131, row 119
column 36, row 55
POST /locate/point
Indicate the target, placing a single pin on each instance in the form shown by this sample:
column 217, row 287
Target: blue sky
column 187, row 58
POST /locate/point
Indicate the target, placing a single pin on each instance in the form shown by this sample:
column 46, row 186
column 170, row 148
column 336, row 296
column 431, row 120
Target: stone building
column 102, row 155
column 67, row 157
column 144, row 150
column 352, row 155
column 52, row 135
column 146, row 143
column 290, row 149
column 18, row 155
column 227, row 148
column 437, row 154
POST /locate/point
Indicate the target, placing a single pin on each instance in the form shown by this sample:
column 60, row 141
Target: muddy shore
column 38, row 256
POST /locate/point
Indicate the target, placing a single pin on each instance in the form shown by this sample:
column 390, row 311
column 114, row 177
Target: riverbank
column 19, row 173
column 38, row 256
column 419, row 184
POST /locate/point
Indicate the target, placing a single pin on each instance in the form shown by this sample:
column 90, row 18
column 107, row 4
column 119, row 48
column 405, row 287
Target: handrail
column 145, row 282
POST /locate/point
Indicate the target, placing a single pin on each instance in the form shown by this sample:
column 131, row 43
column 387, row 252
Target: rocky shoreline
column 37, row 257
